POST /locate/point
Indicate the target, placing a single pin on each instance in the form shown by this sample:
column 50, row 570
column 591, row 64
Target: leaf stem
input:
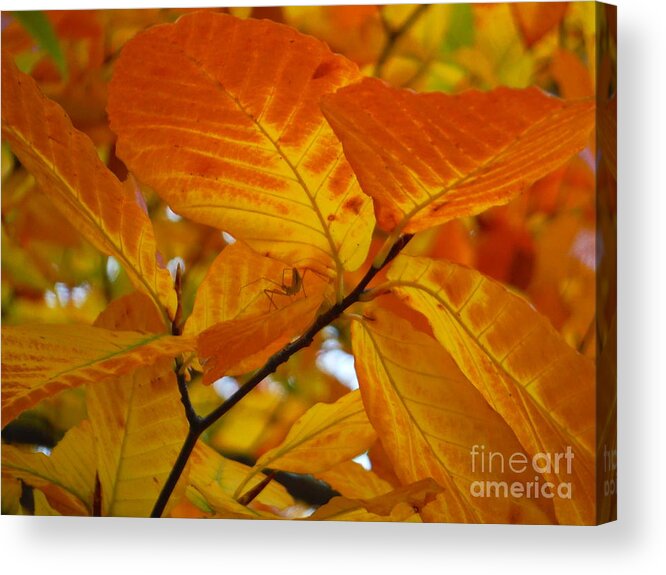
column 252, row 494
column 199, row 424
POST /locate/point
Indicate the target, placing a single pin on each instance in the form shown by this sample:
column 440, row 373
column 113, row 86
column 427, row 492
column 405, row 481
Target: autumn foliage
column 207, row 217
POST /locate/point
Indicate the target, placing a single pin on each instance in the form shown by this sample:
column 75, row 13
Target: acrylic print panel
column 341, row 263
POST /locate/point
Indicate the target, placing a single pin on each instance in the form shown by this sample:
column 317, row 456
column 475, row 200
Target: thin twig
column 394, row 34
column 176, row 329
column 181, row 378
column 199, row 424
column 253, row 493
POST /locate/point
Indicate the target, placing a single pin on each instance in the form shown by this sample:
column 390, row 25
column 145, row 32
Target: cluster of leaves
column 309, row 214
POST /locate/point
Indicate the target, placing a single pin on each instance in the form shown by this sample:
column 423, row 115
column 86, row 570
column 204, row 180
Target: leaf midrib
column 334, row 252
column 479, row 169
column 454, row 487
column 123, row 351
column 485, row 351
column 296, row 444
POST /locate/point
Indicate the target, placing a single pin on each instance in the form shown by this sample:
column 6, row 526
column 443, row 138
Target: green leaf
column 38, row 26
column 460, row 32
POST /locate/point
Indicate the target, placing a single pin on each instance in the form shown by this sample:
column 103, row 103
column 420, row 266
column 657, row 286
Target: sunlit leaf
column 66, row 476
column 230, row 134
column 41, row 360
column 327, row 434
column 429, row 418
column 241, row 283
column 137, row 419
column 240, row 345
column 66, row 166
column 428, row 158
column 539, row 385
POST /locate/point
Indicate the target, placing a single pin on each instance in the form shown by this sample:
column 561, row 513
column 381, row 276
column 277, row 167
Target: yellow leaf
column 137, row 419
column 242, row 283
column 41, row 360
column 541, row 387
column 67, row 168
column 230, row 134
column 429, row 158
column 66, row 476
column 498, row 56
column 351, row 480
column 216, row 479
column 402, row 504
column 430, row 418
column 324, row 436
column 42, row 507
column 11, row 495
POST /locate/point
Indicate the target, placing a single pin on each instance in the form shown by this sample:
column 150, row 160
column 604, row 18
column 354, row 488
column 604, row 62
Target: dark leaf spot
column 325, row 68
column 353, row 205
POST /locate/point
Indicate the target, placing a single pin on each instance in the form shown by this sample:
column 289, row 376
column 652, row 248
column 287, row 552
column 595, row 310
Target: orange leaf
column 237, row 285
column 541, row 387
column 68, row 170
column 536, row 19
column 240, row 345
column 429, row 418
column 230, row 134
column 40, row 360
column 429, row 158
column 381, row 464
column 571, row 75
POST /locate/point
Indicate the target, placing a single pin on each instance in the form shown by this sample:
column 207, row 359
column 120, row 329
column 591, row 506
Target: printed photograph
column 311, row 263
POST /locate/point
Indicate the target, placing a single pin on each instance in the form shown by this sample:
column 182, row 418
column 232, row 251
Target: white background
column 632, row 544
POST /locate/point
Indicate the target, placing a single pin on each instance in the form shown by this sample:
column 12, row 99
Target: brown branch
column 176, row 329
column 394, row 34
column 199, row 424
